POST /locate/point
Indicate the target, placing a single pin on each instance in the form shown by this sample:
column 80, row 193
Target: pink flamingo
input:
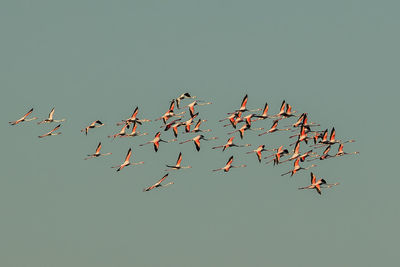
column 228, row 166
column 51, row 132
column 259, row 150
column 127, row 162
column 297, row 168
column 158, row 184
column 230, row 144
column 24, row 118
column 95, row 124
column 97, row 153
column 197, row 139
column 274, row 128
column 156, row 141
column 317, row 185
column 178, row 166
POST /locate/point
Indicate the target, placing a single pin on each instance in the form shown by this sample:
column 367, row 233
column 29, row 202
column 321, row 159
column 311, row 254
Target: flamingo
column 175, row 127
column 247, row 119
column 228, row 166
column 158, row 184
column 300, row 121
column 303, row 121
column 95, row 124
column 332, row 139
column 51, row 132
column 285, row 114
column 237, row 117
column 324, row 155
column 178, row 166
column 302, row 136
column 133, row 118
column 195, row 103
column 197, row 127
column 50, row 118
column 264, row 114
column 170, row 113
column 156, row 141
column 97, row 153
column 134, row 132
column 189, row 122
column 297, row 168
column 23, row 118
column 274, row 128
column 296, row 153
column 121, row 133
column 277, row 156
column 281, row 110
column 197, row 139
column 317, row 135
column 317, row 185
column 168, row 125
column 181, row 97
column 127, row 162
column 232, row 119
column 230, row 144
column 243, row 107
column 288, row 113
column 342, row 153
column 258, row 151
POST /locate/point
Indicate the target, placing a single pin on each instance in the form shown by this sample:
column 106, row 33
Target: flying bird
column 243, row 107
column 274, row 128
column 127, row 162
column 297, row 168
column 230, row 144
column 133, row 118
column 97, row 153
column 156, row 141
column 95, row 124
column 195, row 103
column 258, row 151
column 228, row 166
column 197, row 129
column 264, row 114
column 121, row 133
column 342, row 153
column 134, row 133
column 178, row 166
column 24, row 118
column 197, row 139
column 50, row 118
column 158, row 184
column 51, row 132
column 317, row 185
column 170, row 113
column 181, row 97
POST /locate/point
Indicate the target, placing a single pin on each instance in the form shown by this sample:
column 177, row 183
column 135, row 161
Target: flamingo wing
column 178, row 162
column 51, row 114
column 197, row 144
column 98, row 148
column 244, row 102
column 313, row 178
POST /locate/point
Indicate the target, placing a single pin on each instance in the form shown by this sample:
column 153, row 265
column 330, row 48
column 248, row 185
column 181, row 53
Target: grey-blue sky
column 93, row 59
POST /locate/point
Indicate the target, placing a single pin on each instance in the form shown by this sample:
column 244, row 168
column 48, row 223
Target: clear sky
column 336, row 60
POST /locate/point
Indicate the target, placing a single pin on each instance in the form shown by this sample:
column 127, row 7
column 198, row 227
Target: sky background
column 336, row 60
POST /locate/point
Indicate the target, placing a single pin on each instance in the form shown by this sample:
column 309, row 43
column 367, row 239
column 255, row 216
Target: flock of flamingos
column 307, row 135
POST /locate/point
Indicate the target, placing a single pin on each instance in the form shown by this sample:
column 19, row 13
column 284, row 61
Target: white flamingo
column 50, row 118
